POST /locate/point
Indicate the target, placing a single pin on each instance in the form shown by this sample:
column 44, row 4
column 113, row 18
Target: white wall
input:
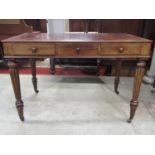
column 57, row 25
column 151, row 72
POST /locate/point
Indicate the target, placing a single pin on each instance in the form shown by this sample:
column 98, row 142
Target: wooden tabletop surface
column 76, row 37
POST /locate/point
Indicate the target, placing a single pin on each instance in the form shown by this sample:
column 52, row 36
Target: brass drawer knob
column 121, row 50
column 77, row 50
column 34, row 50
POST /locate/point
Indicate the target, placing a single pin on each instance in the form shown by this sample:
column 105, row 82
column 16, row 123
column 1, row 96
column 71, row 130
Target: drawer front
column 33, row 49
column 77, row 49
column 119, row 49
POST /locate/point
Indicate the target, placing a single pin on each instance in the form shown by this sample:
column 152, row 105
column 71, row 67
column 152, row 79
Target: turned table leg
column 14, row 73
column 137, row 84
column 34, row 79
column 117, row 75
column 52, row 65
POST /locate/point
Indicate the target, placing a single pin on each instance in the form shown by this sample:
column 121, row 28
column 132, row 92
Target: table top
column 76, row 37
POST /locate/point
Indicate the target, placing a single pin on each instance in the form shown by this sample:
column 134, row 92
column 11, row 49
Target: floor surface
column 75, row 105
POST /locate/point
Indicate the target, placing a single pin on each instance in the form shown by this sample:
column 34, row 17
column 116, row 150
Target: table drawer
column 77, row 49
column 120, row 49
column 33, row 49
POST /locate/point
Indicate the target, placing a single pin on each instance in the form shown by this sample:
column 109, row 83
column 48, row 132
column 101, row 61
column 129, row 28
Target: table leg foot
column 52, row 72
column 133, row 107
column 129, row 120
column 34, row 81
column 20, row 109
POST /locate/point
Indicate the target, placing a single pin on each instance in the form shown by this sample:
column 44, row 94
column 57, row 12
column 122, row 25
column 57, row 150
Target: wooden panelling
column 37, row 24
column 14, row 29
column 132, row 26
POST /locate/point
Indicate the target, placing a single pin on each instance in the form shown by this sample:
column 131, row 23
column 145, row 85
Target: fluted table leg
column 14, row 73
column 137, row 84
column 34, row 79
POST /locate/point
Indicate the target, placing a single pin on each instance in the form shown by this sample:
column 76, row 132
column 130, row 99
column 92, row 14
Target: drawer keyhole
column 34, row 50
column 77, row 50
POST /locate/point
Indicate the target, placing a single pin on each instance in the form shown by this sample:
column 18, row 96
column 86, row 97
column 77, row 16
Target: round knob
column 34, row 50
column 121, row 49
column 77, row 50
